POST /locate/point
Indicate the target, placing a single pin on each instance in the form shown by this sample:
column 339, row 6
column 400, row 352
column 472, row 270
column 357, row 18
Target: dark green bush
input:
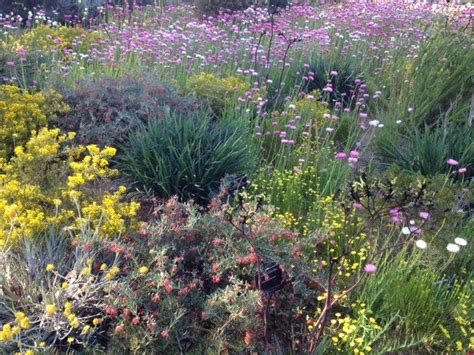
column 185, row 156
column 104, row 112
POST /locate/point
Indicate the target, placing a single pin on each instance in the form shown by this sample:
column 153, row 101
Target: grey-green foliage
column 427, row 150
column 186, row 156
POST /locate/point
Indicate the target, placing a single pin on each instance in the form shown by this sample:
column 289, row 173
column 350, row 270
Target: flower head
column 460, row 241
column 370, row 268
column 452, row 162
column 425, row 215
column 421, row 244
column 143, row 270
column 51, row 309
column 453, row 248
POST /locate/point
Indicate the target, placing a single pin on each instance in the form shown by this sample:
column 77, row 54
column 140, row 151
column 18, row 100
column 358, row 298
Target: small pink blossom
column 341, row 156
column 452, row 162
column 370, row 268
column 352, row 161
column 462, row 170
column 425, row 215
column 357, row 206
column 354, row 154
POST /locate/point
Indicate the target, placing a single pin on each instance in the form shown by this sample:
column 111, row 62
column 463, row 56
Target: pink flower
column 352, row 161
column 394, row 212
column 354, row 154
column 396, row 220
column 341, row 156
column 370, row 268
column 333, row 73
column 425, row 215
column 357, row 206
column 452, row 162
column 462, row 170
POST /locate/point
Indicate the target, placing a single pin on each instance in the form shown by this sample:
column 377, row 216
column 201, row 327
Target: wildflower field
column 236, row 177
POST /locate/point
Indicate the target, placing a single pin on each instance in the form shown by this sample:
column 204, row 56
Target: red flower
column 111, row 311
column 156, row 298
column 216, row 279
column 136, row 321
column 165, row 334
column 127, row 313
column 119, row 329
column 168, row 286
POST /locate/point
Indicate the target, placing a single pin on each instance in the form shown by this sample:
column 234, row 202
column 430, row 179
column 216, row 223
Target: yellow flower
column 70, row 340
column 65, row 285
column 103, row 267
column 71, row 135
column 97, row 321
column 143, row 270
column 24, row 323
column 29, row 352
column 16, row 330
column 50, row 267
column 86, row 329
column 51, row 309
column 67, row 308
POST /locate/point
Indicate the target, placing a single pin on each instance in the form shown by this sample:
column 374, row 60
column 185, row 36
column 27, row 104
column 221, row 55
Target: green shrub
column 219, row 93
column 104, row 112
column 185, row 156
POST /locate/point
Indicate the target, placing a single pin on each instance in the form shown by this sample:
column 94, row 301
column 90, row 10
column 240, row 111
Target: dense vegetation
column 280, row 178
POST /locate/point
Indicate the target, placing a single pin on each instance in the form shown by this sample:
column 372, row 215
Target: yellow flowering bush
column 45, row 38
column 48, row 183
column 218, row 91
column 22, row 112
column 354, row 334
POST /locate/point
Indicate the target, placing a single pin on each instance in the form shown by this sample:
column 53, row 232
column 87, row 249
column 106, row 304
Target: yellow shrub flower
column 51, row 309
column 143, row 270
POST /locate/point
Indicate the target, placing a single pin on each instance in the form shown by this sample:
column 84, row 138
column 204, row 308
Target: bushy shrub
column 185, row 283
column 50, row 185
column 22, row 112
column 218, row 92
column 186, row 156
column 104, row 112
column 60, row 39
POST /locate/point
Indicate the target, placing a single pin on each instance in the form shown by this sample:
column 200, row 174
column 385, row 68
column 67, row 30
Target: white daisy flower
column 453, row 248
column 460, row 241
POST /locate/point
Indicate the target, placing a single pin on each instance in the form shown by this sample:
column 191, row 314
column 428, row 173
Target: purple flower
column 425, row 215
column 354, row 154
column 341, row 156
column 370, row 268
